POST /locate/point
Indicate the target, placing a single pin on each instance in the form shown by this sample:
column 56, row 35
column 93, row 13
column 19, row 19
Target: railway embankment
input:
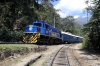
column 29, row 60
column 13, row 52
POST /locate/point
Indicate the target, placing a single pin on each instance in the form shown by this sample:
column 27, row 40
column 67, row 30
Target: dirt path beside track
column 86, row 58
column 46, row 55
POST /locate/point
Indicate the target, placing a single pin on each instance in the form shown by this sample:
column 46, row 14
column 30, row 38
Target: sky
column 70, row 7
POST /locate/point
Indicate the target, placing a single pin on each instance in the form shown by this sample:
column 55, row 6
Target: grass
column 12, row 47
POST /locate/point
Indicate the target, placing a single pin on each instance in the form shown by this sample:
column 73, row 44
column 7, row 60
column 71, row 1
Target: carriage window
column 38, row 24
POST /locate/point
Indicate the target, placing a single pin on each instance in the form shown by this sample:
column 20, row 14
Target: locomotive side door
column 47, row 29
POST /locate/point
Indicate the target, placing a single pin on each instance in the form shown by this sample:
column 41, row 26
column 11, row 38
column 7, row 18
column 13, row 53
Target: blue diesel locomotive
column 41, row 32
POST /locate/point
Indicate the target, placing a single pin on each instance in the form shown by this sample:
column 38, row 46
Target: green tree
column 16, row 14
column 93, row 27
column 70, row 26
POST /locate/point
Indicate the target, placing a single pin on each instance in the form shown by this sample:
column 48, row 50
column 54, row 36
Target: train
column 70, row 38
column 40, row 32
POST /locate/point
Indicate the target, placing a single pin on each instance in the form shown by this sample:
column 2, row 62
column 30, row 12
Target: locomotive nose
column 31, row 37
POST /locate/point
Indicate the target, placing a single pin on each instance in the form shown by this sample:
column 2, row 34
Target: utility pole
column 54, row 20
column 87, row 14
column 88, row 7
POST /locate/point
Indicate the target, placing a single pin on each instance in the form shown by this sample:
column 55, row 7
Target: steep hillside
column 81, row 20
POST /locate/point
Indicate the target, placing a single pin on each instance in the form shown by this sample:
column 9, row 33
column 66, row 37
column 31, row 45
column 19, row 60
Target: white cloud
column 84, row 16
column 70, row 7
column 61, row 14
column 76, row 16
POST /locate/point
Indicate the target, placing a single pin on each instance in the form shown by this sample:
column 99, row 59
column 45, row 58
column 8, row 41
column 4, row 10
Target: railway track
column 74, row 61
column 64, row 57
column 60, row 58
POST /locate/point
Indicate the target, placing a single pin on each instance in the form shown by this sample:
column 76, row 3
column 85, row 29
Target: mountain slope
column 81, row 20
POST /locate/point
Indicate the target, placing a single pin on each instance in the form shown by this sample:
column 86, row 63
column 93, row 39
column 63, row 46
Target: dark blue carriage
column 41, row 32
column 70, row 38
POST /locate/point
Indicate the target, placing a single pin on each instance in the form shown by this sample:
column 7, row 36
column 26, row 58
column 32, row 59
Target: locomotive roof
column 68, row 33
column 37, row 21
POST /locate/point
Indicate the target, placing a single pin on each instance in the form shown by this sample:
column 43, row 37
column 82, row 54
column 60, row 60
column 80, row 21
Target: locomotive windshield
column 38, row 24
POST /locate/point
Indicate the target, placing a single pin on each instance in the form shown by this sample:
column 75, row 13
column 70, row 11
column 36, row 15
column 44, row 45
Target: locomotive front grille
column 34, row 38
column 31, row 37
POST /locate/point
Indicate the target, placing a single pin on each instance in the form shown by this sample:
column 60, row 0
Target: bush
column 16, row 36
column 7, row 36
column 86, row 43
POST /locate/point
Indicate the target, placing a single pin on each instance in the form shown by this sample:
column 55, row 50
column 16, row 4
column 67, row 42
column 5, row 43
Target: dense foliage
column 70, row 26
column 92, row 29
column 16, row 14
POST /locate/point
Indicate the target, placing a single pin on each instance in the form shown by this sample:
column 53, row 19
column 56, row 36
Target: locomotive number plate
column 53, row 34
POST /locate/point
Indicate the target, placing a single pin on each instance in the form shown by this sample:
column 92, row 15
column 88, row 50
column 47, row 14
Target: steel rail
column 76, row 58
column 55, row 56
column 67, row 58
column 51, row 63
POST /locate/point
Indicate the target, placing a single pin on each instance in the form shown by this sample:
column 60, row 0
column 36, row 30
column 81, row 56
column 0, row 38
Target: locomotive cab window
column 38, row 24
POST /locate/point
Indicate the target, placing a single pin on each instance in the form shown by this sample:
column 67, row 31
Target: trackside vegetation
column 92, row 28
column 10, row 36
column 12, row 47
